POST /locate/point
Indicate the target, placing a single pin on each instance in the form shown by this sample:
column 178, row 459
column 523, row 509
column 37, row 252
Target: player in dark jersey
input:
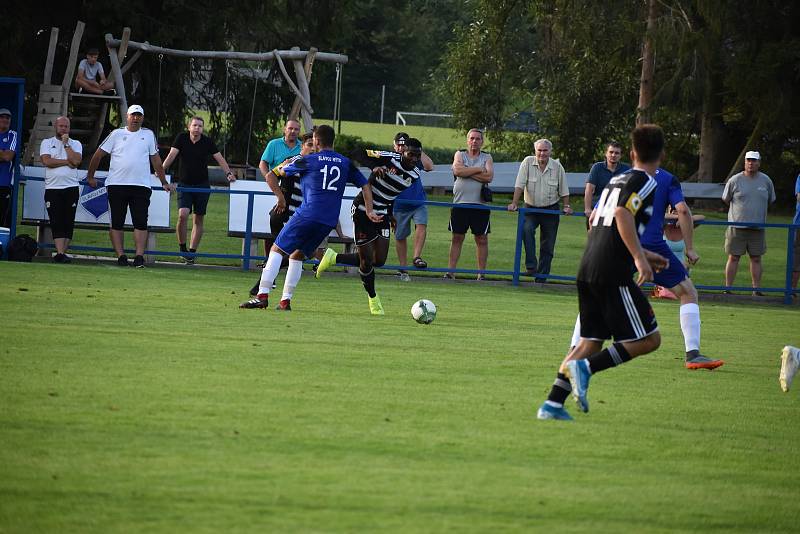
column 611, row 304
column 393, row 174
column 323, row 176
column 675, row 277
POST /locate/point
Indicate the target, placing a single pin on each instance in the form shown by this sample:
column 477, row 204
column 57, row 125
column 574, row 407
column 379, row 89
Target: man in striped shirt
column 393, row 174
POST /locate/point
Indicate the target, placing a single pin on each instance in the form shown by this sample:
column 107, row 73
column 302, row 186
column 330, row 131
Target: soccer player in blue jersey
column 394, row 173
column 675, row 277
column 323, row 177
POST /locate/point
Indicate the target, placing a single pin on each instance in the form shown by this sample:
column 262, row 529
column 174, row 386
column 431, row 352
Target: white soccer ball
column 423, row 311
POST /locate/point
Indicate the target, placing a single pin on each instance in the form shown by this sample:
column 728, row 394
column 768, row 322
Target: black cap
column 401, row 138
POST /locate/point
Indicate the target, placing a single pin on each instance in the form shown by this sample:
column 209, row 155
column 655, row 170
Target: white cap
column 750, row 155
column 136, row 108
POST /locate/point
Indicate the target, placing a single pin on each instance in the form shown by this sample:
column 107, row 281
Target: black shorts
column 195, row 202
column 621, row 311
column 61, row 205
column 367, row 231
column 135, row 197
column 474, row 219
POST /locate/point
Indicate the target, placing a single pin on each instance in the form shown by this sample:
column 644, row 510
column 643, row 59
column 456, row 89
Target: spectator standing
column 8, row 151
column 193, row 148
column 471, row 169
column 91, row 77
column 61, row 157
column 132, row 150
column 541, row 181
column 404, row 214
column 600, row 174
column 748, row 195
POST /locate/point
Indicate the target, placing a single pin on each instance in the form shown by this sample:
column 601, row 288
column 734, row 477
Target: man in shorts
column 132, row 149
column 193, row 148
column 748, row 195
column 611, row 304
column 404, row 214
column 472, row 168
column 91, row 77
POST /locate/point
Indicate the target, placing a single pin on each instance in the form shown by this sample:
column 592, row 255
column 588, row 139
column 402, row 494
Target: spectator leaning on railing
column 748, row 195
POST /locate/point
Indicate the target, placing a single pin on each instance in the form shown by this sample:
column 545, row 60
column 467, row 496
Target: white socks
column 270, row 272
column 690, row 325
column 293, row 274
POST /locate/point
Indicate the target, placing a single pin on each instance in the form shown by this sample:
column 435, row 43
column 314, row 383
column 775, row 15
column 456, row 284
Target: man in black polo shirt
column 193, row 149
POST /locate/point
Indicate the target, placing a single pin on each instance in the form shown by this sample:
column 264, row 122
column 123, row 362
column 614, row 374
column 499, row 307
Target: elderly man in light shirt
column 541, row 182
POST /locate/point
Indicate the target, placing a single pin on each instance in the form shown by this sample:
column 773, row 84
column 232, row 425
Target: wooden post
column 302, row 84
column 120, row 82
column 51, row 54
column 309, row 65
column 122, row 51
column 69, row 74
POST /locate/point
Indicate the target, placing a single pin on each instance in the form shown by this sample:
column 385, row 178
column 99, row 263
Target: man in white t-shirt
column 91, row 77
column 132, row 150
column 61, row 156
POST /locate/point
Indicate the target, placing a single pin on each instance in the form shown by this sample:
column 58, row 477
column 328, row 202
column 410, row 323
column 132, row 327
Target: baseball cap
column 401, row 138
column 136, row 108
column 5, row 111
column 752, row 155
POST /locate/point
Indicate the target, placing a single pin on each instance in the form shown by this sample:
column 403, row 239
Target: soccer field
column 145, row 400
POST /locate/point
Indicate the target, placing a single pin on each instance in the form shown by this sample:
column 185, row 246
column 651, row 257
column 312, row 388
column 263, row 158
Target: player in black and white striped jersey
column 393, row 173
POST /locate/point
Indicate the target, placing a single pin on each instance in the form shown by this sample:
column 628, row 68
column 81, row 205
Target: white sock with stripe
column 690, row 325
column 293, row 274
column 270, row 272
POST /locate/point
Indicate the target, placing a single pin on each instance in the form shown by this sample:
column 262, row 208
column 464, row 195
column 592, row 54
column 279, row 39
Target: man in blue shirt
column 8, row 151
column 405, row 213
column 600, row 174
column 323, row 177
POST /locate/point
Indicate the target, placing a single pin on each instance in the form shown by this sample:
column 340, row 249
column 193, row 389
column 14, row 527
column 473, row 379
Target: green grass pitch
column 146, row 401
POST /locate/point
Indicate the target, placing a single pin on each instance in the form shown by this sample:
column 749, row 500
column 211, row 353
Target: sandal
column 419, row 263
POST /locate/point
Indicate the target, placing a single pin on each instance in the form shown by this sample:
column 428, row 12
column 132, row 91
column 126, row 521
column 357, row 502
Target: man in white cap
column 132, row 150
column 748, row 195
column 8, row 151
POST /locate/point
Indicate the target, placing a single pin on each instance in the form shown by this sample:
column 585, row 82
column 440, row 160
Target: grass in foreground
column 145, row 400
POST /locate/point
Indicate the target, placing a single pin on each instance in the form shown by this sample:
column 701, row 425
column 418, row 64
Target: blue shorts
column 303, row 235
column 672, row 275
column 403, row 219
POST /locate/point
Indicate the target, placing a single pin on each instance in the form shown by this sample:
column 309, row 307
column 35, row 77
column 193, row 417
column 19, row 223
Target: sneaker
column 284, row 305
column 404, row 277
column 188, row 258
column 579, row 375
column 480, row 278
column 448, row 276
column 375, row 306
column 547, row 411
column 59, row 258
column 138, row 262
column 260, row 302
column 790, row 361
column 328, row 259
column 122, row 261
column 110, row 92
column 758, row 294
column 698, row 361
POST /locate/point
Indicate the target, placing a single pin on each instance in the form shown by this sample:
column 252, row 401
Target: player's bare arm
column 272, row 182
column 367, row 191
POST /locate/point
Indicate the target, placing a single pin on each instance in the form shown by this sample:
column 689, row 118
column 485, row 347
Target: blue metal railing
column 515, row 274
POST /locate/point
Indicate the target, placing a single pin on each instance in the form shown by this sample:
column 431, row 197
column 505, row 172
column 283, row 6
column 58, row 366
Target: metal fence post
column 248, row 231
column 787, row 294
column 518, row 247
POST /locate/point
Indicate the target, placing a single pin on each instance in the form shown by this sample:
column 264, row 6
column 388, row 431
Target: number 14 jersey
column 606, row 259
